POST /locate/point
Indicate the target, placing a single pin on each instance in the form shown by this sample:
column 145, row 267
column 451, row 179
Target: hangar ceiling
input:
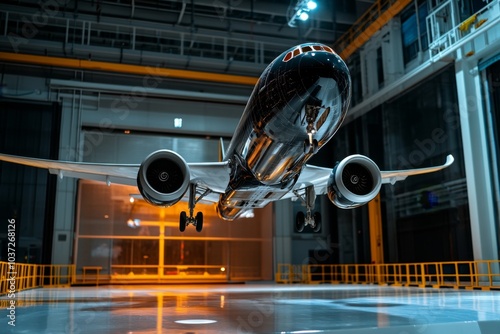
column 233, row 37
column 227, row 36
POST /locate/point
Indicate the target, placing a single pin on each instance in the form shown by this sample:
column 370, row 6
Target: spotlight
column 312, row 5
column 301, row 11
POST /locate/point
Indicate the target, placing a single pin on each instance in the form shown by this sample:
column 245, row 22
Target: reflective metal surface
column 297, row 105
column 253, row 308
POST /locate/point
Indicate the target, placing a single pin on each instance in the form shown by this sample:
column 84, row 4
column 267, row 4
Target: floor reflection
column 252, row 308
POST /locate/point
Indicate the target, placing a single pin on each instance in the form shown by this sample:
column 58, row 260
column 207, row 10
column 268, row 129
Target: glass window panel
column 135, row 252
column 95, row 252
column 245, row 257
column 118, row 256
column 422, row 16
column 106, row 211
column 182, row 252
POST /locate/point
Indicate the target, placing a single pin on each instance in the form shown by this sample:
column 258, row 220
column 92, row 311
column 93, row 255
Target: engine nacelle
column 163, row 178
column 354, row 182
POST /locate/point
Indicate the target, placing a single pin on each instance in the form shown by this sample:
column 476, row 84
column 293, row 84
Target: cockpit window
column 328, row 49
column 307, row 48
column 287, row 57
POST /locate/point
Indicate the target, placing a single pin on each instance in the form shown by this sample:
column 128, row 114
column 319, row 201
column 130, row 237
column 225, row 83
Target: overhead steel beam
column 367, row 25
column 152, row 71
column 153, row 92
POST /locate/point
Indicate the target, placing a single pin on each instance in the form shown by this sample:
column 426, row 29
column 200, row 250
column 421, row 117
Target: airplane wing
column 109, row 173
column 213, row 176
column 312, row 175
column 318, row 176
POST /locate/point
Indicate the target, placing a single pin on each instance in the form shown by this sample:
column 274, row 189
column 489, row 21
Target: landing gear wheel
column 182, row 221
column 199, row 221
column 300, row 221
column 317, row 222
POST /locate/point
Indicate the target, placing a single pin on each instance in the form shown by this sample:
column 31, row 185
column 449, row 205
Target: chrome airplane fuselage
column 297, row 105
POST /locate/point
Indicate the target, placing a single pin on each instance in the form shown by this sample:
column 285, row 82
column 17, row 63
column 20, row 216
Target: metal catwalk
column 253, row 308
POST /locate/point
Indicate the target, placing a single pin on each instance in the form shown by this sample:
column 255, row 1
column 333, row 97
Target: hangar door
column 133, row 240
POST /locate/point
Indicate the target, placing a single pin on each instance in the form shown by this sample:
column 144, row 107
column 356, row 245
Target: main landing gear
column 197, row 221
column 309, row 218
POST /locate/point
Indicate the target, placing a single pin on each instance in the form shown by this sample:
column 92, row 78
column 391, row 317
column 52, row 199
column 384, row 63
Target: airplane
column 296, row 107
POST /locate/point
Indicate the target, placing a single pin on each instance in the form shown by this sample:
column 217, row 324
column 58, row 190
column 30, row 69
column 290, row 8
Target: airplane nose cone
column 316, row 67
column 324, row 61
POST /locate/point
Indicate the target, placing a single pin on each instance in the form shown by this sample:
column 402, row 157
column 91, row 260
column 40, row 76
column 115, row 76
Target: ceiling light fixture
column 195, row 321
column 177, row 123
column 301, row 11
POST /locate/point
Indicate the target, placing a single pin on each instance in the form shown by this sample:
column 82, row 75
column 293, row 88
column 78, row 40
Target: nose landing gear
column 197, row 221
column 310, row 144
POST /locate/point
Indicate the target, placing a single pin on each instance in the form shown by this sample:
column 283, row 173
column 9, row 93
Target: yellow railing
column 52, row 275
column 15, row 277
column 461, row 274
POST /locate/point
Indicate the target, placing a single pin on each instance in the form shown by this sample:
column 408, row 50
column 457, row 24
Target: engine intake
column 163, row 178
column 354, row 182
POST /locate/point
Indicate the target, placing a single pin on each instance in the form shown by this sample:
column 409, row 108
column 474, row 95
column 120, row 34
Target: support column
column 161, row 250
column 283, row 225
column 376, row 237
column 477, row 166
column 64, row 213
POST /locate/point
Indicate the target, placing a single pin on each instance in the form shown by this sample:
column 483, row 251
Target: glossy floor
column 251, row 308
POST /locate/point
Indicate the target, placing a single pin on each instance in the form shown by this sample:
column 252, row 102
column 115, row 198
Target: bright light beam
column 301, row 11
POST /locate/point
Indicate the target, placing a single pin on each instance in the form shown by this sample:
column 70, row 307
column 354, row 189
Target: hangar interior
column 113, row 81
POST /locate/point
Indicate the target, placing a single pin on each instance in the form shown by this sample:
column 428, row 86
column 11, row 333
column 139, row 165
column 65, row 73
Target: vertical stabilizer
column 222, row 150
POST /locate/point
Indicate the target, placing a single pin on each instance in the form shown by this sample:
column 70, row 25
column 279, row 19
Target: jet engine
column 163, row 178
column 354, row 181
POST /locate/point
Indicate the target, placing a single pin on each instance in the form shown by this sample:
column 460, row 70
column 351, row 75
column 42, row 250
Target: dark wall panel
column 28, row 194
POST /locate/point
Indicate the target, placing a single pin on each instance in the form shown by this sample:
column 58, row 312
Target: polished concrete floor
column 252, row 308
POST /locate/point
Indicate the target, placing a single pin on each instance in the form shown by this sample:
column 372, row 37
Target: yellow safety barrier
column 483, row 275
column 16, row 277
column 54, row 275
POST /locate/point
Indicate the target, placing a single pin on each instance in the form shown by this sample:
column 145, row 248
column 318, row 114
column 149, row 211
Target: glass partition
column 129, row 239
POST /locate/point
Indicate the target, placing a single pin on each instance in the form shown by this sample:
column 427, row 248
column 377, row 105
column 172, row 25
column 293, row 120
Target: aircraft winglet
column 394, row 176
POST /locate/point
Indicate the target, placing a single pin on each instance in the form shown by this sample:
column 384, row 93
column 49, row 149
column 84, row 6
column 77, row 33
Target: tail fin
column 222, row 150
